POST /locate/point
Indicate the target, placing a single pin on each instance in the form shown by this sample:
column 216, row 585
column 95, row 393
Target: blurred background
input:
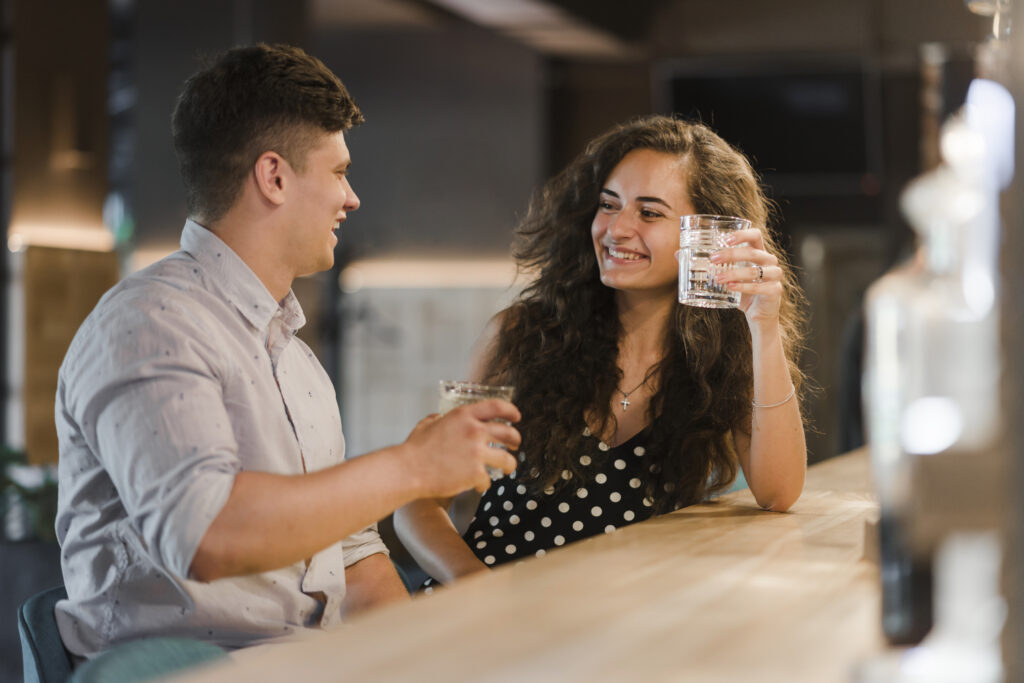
column 470, row 106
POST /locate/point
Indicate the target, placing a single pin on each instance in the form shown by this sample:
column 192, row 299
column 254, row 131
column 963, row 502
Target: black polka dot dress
column 511, row 523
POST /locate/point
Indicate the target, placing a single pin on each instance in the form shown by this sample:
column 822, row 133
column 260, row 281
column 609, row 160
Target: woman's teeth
column 626, row 255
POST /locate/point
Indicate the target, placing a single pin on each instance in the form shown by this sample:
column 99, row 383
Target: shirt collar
column 242, row 287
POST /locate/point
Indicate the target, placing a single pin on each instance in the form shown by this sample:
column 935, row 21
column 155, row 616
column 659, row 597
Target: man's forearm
column 271, row 521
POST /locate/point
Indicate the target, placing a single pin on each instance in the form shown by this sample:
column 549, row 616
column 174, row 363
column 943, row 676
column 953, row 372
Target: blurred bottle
column 969, row 615
column 931, row 364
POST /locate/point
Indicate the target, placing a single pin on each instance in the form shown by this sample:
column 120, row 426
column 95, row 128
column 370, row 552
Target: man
column 203, row 487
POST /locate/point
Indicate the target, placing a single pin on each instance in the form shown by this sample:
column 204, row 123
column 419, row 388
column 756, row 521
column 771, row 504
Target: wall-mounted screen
column 811, row 127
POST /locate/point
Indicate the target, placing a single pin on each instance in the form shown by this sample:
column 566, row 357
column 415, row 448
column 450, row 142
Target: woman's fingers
column 773, row 288
column 754, row 274
column 741, row 254
column 752, row 236
column 756, row 280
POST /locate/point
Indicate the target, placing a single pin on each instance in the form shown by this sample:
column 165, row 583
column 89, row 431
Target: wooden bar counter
column 716, row 592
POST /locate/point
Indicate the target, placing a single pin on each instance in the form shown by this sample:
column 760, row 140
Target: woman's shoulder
column 485, row 346
column 504, row 329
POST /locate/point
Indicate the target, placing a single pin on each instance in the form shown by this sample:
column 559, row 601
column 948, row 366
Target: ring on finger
column 760, row 274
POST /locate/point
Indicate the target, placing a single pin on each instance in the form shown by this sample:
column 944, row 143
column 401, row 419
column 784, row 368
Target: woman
column 632, row 404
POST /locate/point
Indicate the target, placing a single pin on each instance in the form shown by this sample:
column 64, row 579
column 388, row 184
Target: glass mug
column 700, row 236
column 457, row 393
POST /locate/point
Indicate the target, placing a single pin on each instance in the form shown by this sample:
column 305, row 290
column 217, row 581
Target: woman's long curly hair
column 558, row 344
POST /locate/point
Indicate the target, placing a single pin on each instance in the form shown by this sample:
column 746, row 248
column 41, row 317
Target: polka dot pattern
column 607, row 493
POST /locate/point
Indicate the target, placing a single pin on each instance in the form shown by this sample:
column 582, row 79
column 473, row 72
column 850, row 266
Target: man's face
column 320, row 200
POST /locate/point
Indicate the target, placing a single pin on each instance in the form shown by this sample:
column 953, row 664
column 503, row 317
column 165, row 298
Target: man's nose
column 352, row 199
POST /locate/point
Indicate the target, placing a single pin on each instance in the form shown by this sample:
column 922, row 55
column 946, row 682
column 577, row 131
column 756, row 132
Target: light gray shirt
column 183, row 375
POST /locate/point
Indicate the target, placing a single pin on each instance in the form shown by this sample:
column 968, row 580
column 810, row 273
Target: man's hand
column 448, row 455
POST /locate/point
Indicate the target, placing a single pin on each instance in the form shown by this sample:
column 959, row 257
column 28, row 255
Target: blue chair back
column 147, row 659
column 44, row 659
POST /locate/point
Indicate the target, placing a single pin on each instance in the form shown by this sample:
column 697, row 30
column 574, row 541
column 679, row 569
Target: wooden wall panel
column 61, row 286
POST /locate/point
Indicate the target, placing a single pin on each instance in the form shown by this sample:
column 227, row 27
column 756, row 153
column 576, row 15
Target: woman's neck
column 643, row 320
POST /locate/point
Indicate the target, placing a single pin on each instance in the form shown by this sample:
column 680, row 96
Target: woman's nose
column 621, row 227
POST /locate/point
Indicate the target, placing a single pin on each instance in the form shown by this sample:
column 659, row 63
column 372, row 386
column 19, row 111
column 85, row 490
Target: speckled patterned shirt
column 184, row 374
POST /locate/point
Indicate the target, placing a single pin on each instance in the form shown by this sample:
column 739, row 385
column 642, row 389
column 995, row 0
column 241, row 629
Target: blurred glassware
column 932, row 360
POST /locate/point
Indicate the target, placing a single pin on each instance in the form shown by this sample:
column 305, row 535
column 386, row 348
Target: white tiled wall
column 396, row 345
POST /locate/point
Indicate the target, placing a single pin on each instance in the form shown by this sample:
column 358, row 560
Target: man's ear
column 270, row 173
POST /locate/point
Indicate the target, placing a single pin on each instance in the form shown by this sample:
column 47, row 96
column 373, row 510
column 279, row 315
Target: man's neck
column 252, row 239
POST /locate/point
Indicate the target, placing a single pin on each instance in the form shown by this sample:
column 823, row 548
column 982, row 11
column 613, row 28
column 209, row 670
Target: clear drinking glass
column 700, row 236
column 457, row 393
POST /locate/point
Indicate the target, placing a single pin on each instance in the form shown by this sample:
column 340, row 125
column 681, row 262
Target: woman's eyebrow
column 655, row 200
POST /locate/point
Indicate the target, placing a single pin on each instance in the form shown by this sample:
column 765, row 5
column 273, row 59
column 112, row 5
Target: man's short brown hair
column 249, row 101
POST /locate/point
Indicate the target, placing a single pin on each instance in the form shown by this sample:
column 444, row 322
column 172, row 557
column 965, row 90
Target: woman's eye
column 606, row 206
column 648, row 213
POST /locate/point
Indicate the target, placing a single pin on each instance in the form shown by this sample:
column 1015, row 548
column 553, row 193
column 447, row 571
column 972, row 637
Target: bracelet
column 789, row 396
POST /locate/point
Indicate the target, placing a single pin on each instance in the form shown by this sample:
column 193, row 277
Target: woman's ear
column 270, row 173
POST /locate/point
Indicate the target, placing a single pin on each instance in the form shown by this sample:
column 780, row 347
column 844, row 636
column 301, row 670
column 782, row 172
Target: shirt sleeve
column 362, row 544
column 150, row 403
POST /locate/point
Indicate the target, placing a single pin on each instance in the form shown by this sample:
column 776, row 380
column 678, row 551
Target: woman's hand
column 759, row 282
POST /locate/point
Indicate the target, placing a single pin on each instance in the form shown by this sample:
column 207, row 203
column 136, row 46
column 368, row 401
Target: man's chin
column 324, row 264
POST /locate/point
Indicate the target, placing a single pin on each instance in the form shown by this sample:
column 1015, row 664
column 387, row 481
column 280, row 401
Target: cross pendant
column 625, row 403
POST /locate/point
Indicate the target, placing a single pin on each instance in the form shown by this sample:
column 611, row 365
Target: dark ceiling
column 629, row 21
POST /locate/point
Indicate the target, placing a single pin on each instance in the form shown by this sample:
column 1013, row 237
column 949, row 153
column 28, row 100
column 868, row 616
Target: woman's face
column 636, row 227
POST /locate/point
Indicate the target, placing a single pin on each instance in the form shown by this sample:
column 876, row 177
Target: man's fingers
column 433, row 417
column 483, row 482
column 506, row 435
column 500, row 460
column 493, row 409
